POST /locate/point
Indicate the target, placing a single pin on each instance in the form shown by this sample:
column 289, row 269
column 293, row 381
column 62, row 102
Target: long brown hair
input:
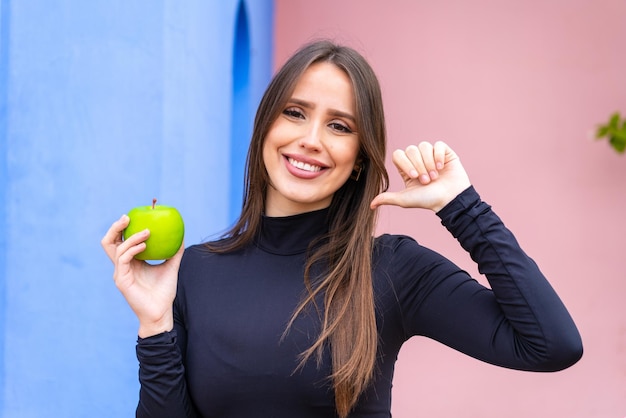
column 348, row 322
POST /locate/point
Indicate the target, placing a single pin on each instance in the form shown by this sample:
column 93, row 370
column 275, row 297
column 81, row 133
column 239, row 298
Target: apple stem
column 153, row 202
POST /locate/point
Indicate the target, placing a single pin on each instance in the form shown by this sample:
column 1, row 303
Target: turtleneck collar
column 290, row 235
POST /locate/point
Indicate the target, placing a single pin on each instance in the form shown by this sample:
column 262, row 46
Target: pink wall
column 515, row 88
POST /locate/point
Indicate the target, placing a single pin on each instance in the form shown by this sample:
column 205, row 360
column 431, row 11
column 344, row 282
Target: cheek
column 270, row 143
column 268, row 164
column 268, row 154
column 346, row 153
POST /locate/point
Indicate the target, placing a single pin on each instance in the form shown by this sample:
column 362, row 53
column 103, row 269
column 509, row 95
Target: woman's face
column 310, row 150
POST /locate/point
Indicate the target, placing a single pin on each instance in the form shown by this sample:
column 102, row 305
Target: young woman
column 299, row 311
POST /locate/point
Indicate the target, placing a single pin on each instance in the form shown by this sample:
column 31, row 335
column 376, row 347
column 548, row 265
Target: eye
column 341, row 127
column 293, row 113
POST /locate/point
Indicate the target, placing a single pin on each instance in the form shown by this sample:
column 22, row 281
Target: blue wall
column 105, row 104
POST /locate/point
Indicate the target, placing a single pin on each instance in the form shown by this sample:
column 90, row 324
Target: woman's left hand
column 432, row 174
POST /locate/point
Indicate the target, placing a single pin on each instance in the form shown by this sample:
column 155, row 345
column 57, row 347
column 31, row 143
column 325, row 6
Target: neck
column 276, row 207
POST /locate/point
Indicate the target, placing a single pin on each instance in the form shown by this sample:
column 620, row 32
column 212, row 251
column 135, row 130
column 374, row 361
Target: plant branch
column 615, row 131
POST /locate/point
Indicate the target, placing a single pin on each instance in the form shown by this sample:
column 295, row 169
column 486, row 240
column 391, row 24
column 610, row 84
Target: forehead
column 327, row 84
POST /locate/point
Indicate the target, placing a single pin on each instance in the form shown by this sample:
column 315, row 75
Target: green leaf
column 614, row 121
column 619, row 135
column 618, row 142
column 603, row 130
column 615, row 131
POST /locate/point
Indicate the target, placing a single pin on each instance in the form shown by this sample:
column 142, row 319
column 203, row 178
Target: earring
column 356, row 172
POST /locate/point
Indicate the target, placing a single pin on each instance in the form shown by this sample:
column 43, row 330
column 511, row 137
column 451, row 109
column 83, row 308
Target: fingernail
column 439, row 165
column 433, row 174
column 424, row 178
column 413, row 174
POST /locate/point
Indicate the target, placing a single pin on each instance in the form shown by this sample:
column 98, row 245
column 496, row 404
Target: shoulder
column 402, row 257
column 390, row 245
column 196, row 253
column 197, row 259
column 392, row 240
column 396, row 251
column 201, row 267
column 205, row 251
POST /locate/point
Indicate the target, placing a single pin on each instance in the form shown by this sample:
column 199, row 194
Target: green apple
column 166, row 230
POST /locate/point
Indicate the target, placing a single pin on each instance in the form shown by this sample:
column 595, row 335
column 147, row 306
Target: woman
column 298, row 311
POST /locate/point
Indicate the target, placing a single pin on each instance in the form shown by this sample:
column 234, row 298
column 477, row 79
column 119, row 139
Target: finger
column 113, row 236
column 404, row 165
column 427, row 152
column 440, row 150
column 114, row 233
column 132, row 241
column 125, row 255
column 386, row 198
column 415, row 156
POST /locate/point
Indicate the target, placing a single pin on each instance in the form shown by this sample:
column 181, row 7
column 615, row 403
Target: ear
column 357, row 170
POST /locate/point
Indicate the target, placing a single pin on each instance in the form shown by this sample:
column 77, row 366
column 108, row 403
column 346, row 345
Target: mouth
column 304, row 166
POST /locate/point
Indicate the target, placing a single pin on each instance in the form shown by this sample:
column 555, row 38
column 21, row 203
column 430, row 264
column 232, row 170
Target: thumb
column 386, row 198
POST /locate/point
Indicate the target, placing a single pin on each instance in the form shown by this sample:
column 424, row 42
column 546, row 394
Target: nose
column 312, row 138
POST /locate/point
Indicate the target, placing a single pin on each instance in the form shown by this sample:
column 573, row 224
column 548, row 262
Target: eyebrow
column 334, row 112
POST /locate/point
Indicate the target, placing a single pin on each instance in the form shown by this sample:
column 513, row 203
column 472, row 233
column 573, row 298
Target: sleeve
column 519, row 323
column 163, row 392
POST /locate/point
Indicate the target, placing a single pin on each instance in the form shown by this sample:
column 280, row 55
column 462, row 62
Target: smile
column 304, row 166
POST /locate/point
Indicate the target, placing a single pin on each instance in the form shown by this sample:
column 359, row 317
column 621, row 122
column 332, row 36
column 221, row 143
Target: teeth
column 304, row 166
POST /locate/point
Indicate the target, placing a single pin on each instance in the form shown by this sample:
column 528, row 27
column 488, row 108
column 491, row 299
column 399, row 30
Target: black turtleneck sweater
column 225, row 357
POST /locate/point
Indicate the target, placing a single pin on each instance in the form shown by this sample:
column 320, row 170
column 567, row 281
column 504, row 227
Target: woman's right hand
column 148, row 289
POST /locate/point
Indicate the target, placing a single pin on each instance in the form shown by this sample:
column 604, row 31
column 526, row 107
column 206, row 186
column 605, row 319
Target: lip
column 303, row 174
